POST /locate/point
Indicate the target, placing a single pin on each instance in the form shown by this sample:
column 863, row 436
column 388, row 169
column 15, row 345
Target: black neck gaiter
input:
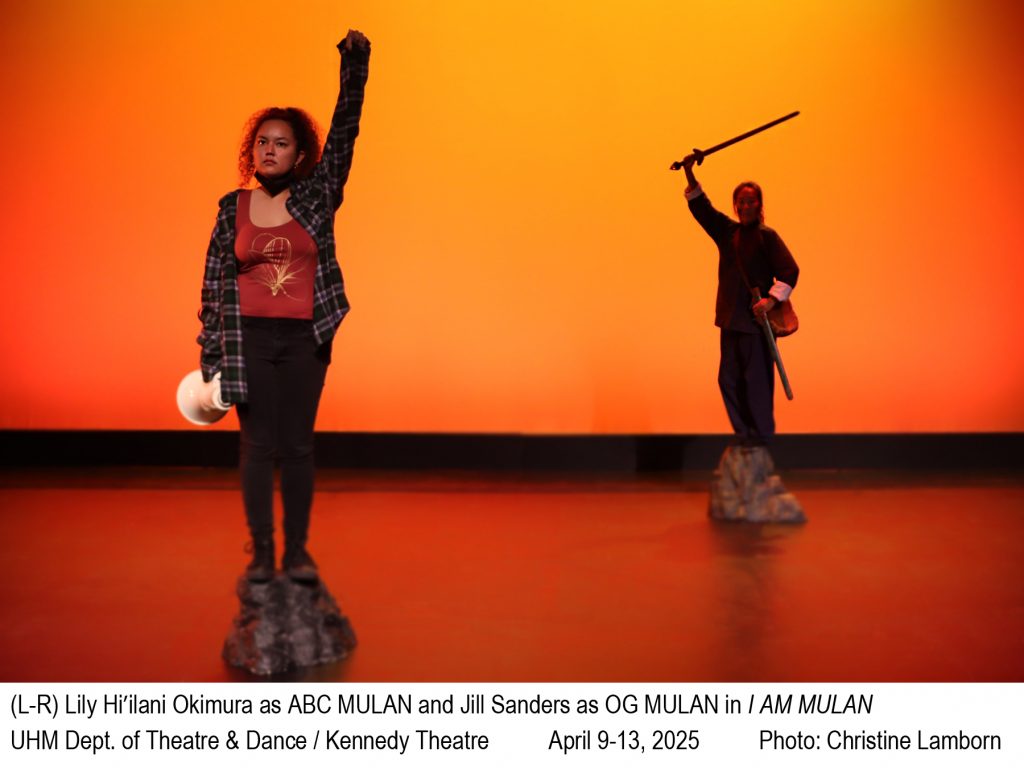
column 276, row 185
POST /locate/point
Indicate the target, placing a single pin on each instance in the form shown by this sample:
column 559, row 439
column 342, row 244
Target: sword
column 702, row 153
column 767, row 327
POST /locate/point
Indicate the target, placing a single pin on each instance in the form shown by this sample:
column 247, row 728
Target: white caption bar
column 693, row 724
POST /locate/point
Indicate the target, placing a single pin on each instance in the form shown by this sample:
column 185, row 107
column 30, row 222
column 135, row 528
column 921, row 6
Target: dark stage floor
column 129, row 575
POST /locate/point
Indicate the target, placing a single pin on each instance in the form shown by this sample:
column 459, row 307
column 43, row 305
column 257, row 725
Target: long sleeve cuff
column 780, row 291
column 693, row 194
column 356, row 51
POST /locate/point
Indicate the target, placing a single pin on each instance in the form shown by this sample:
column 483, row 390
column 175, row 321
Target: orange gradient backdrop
column 518, row 256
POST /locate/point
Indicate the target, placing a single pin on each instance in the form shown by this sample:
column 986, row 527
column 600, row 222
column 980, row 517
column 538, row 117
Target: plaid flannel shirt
column 314, row 201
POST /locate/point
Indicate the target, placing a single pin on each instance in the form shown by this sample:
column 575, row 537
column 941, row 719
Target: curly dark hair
column 307, row 139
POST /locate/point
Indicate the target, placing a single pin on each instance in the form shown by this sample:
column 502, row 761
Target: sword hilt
column 679, row 163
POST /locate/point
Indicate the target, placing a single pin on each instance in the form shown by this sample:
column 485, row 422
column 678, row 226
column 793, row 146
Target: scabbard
column 766, row 326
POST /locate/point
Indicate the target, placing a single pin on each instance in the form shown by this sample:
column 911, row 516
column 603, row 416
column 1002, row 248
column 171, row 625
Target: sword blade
column 748, row 134
column 705, row 152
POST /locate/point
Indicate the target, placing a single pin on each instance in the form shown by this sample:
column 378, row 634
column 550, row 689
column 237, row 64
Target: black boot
column 261, row 568
column 298, row 564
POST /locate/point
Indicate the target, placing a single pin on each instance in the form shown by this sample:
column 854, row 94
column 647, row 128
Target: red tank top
column 276, row 266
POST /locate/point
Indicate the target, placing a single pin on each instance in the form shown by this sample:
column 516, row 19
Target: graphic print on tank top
column 276, row 269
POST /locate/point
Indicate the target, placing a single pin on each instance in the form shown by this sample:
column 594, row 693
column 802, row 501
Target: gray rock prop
column 283, row 625
column 745, row 487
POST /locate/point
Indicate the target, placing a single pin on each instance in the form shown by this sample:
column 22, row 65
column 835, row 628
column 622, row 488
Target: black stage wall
column 1003, row 451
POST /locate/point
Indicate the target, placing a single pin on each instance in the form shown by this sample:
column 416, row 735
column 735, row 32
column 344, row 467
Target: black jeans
column 746, row 377
column 285, row 373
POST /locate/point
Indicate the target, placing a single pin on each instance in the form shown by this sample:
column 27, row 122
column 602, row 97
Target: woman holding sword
column 753, row 262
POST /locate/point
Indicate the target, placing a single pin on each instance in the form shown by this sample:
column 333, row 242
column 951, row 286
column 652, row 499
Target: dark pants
column 285, row 374
column 746, row 376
